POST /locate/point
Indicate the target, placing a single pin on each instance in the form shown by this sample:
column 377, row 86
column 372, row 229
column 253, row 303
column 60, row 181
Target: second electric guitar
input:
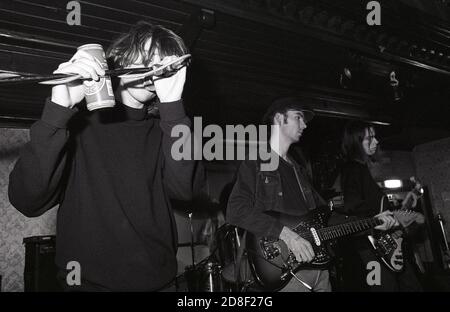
column 388, row 246
column 273, row 263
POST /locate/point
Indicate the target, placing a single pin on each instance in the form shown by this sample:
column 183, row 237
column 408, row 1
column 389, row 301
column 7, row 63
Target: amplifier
column 40, row 268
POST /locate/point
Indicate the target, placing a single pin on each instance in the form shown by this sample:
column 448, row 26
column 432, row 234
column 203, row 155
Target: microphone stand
column 161, row 71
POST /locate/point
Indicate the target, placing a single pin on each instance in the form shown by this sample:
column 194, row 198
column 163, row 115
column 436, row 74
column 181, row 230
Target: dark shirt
column 294, row 198
column 362, row 195
column 362, row 198
column 112, row 174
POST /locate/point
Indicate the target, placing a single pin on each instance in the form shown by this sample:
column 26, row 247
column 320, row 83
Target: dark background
column 246, row 52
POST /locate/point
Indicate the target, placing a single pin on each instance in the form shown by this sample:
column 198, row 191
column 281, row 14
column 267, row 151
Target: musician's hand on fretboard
column 388, row 221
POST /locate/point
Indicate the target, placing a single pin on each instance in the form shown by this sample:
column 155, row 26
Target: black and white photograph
column 247, row 148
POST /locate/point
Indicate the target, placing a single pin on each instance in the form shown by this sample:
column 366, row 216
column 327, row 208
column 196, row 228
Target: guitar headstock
column 408, row 217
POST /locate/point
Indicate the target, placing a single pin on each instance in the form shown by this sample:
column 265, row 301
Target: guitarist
column 362, row 198
column 259, row 198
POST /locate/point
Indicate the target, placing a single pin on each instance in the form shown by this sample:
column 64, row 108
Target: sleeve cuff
column 275, row 230
column 171, row 111
column 57, row 115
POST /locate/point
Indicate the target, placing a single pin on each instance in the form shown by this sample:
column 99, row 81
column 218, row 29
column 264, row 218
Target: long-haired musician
column 364, row 198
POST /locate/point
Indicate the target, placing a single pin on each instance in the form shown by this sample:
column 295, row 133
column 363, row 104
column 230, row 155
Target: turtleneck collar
column 133, row 113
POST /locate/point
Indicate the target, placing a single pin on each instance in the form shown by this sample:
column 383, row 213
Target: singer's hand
column 83, row 64
column 170, row 89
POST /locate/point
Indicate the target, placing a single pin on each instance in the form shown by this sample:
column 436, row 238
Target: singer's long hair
column 129, row 48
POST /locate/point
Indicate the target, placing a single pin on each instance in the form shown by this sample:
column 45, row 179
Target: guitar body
column 270, row 259
column 387, row 246
column 389, row 249
column 273, row 264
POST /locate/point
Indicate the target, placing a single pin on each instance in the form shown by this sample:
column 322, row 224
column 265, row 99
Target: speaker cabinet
column 40, row 268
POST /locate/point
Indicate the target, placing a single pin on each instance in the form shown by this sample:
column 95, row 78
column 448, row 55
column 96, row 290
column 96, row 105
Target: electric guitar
column 273, row 264
column 388, row 246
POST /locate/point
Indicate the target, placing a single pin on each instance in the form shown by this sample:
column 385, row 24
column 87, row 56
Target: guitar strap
column 306, row 189
column 300, row 184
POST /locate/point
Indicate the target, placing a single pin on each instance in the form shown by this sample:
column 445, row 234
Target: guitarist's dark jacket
column 256, row 201
column 362, row 195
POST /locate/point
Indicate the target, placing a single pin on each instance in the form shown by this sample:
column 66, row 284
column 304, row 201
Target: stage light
column 393, row 183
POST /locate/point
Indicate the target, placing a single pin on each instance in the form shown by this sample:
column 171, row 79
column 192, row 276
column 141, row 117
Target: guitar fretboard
column 344, row 229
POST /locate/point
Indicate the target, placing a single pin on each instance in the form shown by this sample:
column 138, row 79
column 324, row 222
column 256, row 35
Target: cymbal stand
column 192, row 240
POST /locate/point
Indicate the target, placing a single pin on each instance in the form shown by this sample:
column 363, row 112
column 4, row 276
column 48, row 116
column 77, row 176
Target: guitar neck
column 349, row 228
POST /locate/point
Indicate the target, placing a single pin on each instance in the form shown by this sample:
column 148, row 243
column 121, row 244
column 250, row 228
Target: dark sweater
column 362, row 197
column 112, row 174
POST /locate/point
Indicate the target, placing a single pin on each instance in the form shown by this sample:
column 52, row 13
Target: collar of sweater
column 133, row 113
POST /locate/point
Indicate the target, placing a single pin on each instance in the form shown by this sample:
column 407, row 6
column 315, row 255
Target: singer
column 110, row 170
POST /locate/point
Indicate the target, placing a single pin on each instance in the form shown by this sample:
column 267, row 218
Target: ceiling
column 437, row 8
column 246, row 52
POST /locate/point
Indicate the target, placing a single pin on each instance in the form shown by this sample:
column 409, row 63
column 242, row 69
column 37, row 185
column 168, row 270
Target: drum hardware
column 206, row 276
column 236, row 272
column 225, row 269
column 191, row 227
